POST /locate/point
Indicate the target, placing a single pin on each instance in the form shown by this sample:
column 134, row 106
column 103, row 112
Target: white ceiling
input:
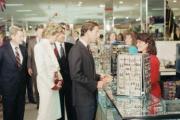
column 69, row 11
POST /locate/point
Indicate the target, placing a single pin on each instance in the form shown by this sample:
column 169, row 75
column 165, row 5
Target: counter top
column 167, row 71
column 141, row 107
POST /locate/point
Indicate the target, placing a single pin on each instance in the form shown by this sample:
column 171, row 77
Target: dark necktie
column 18, row 61
column 62, row 51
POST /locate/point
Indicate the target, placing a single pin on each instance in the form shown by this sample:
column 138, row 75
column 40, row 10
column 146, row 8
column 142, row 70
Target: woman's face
column 142, row 46
column 128, row 40
column 112, row 36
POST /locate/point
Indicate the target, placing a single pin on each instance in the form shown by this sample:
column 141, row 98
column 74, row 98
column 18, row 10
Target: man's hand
column 106, row 78
column 100, row 84
column 30, row 72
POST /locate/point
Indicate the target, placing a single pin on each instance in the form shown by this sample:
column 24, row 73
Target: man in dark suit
column 31, row 61
column 63, row 49
column 85, row 81
column 13, row 75
column 29, row 85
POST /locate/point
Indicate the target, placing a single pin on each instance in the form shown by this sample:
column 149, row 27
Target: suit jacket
column 12, row 78
column 64, row 65
column 83, row 75
column 31, row 61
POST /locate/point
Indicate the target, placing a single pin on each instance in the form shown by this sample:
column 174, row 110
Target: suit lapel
column 11, row 53
column 88, row 54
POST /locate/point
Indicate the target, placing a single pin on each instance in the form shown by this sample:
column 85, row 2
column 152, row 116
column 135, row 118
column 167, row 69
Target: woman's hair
column 133, row 36
column 2, row 34
column 148, row 38
column 120, row 37
column 88, row 26
column 52, row 29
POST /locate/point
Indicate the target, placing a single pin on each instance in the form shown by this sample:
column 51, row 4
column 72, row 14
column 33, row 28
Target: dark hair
column 148, row 38
column 120, row 37
column 101, row 36
column 88, row 26
column 39, row 27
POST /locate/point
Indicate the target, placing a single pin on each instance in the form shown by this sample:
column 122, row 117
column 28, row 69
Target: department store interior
column 122, row 98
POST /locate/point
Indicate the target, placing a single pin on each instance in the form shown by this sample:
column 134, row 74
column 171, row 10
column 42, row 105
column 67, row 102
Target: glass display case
column 113, row 107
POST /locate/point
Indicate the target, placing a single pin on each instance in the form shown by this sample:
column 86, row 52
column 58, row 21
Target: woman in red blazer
column 146, row 44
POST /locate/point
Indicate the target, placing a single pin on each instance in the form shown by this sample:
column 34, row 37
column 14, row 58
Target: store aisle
column 30, row 112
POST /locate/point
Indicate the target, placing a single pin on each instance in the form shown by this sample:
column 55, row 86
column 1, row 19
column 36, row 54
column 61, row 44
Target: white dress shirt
column 58, row 47
column 19, row 51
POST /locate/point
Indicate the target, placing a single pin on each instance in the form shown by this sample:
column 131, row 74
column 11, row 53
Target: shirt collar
column 14, row 46
column 83, row 42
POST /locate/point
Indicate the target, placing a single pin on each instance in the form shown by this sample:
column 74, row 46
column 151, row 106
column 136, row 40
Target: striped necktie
column 18, row 61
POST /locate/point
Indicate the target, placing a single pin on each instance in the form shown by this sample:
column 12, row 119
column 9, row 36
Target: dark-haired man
column 85, row 81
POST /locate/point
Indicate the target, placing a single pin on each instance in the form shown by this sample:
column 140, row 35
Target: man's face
column 39, row 32
column 18, row 37
column 93, row 35
column 61, row 37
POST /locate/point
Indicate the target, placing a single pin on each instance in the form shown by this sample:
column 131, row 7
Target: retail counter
column 112, row 107
column 167, row 71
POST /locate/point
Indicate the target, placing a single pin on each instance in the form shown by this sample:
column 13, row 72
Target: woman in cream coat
column 47, row 65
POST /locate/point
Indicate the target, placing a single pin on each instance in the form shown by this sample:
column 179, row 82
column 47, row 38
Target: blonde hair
column 14, row 29
column 2, row 33
column 52, row 29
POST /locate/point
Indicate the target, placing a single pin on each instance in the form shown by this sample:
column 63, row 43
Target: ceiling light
column 80, row 3
column 127, row 17
column 33, row 14
column 121, row 2
column 174, row 1
column 23, row 10
column 102, row 6
column 138, row 19
column 175, row 9
column 158, row 9
column 12, row 5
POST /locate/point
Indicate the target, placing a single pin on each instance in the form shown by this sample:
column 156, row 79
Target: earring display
column 131, row 106
column 133, row 74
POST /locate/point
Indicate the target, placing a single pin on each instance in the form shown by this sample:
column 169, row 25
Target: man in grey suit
column 31, row 61
column 85, row 81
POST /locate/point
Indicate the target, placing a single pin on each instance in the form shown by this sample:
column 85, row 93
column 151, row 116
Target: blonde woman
column 48, row 76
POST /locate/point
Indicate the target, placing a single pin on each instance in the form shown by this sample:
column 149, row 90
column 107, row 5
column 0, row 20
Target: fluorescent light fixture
column 157, row 9
column 174, row 1
column 23, row 10
column 102, row 6
column 33, row 14
column 12, row 5
column 80, row 3
column 175, row 8
column 138, row 19
column 127, row 17
column 108, row 27
column 121, row 2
